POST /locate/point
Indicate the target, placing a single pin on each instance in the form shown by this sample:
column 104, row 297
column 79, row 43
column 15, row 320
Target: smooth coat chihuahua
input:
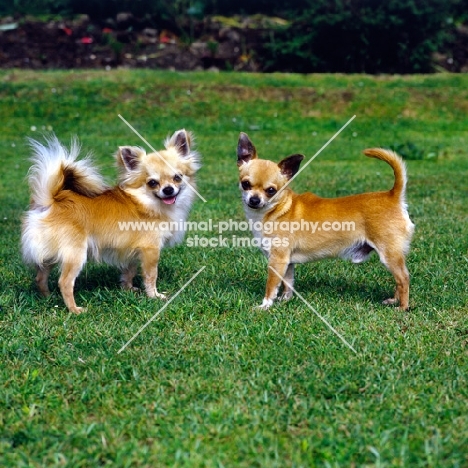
column 297, row 228
column 74, row 215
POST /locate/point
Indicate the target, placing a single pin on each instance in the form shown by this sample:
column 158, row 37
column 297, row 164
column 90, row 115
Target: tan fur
column 71, row 218
column 381, row 221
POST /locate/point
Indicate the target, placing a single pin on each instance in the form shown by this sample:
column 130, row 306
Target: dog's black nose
column 168, row 190
column 254, row 201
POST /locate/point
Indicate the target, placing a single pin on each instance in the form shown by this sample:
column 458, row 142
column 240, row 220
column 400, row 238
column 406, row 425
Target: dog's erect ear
column 290, row 165
column 180, row 141
column 245, row 149
column 130, row 156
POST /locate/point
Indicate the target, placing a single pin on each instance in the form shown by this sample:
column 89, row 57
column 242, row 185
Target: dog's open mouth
column 169, row 200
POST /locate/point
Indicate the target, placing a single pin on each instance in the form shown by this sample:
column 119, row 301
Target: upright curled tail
column 397, row 164
column 55, row 168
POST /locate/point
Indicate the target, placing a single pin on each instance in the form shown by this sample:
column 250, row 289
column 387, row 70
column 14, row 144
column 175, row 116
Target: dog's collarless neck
column 281, row 209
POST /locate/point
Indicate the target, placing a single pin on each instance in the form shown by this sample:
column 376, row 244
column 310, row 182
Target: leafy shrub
column 357, row 36
column 34, row 7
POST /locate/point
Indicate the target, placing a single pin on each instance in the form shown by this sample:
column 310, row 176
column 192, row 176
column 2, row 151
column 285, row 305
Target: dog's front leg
column 277, row 268
column 288, row 283
column 149, row 266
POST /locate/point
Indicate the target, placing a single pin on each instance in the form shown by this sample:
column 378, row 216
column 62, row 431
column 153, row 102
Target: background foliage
column 351, row 36
column 356, row 36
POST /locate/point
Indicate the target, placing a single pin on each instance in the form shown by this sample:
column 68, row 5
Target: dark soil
column 80, row 43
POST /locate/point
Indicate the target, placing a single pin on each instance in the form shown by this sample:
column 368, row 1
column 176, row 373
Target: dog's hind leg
column 395, row 262
column 70, row 270
column 42, row 277
column 126, row 278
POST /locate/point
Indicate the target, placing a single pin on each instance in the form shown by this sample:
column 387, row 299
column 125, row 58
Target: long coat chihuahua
column 74, row 215
column 297, row 228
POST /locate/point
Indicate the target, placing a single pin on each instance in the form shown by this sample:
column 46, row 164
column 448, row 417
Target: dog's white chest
column 255, row 220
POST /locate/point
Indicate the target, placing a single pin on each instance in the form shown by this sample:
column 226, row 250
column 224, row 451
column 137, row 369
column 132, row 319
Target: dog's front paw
column 154, row 294
column 266, row 304
column 77, row 310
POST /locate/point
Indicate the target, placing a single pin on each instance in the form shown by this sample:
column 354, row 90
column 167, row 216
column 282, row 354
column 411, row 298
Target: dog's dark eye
column 152, row 183
column 270, row 191
column 246, row 185
column 177, row 178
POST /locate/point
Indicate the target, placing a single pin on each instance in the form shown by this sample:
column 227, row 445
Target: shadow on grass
column 244, row 279
column 368, row 287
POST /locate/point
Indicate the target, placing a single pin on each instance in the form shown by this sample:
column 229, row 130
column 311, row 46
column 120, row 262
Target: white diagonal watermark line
column 161, row 309
column 313, row 157
column 313, row 310
column 151, row 147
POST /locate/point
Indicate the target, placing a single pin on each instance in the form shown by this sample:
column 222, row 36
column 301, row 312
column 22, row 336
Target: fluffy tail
column 397, row 164
column 55, row 169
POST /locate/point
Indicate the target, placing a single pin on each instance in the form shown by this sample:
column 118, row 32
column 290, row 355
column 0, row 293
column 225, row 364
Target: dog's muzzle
column 168, row 195
column 254, row 202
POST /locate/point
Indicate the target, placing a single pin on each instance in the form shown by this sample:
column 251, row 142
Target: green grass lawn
column 211, row 382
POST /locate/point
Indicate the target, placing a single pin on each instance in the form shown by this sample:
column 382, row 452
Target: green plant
column 212, row 47
column 114, row 44
column 357, row 36
column 35, row 7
